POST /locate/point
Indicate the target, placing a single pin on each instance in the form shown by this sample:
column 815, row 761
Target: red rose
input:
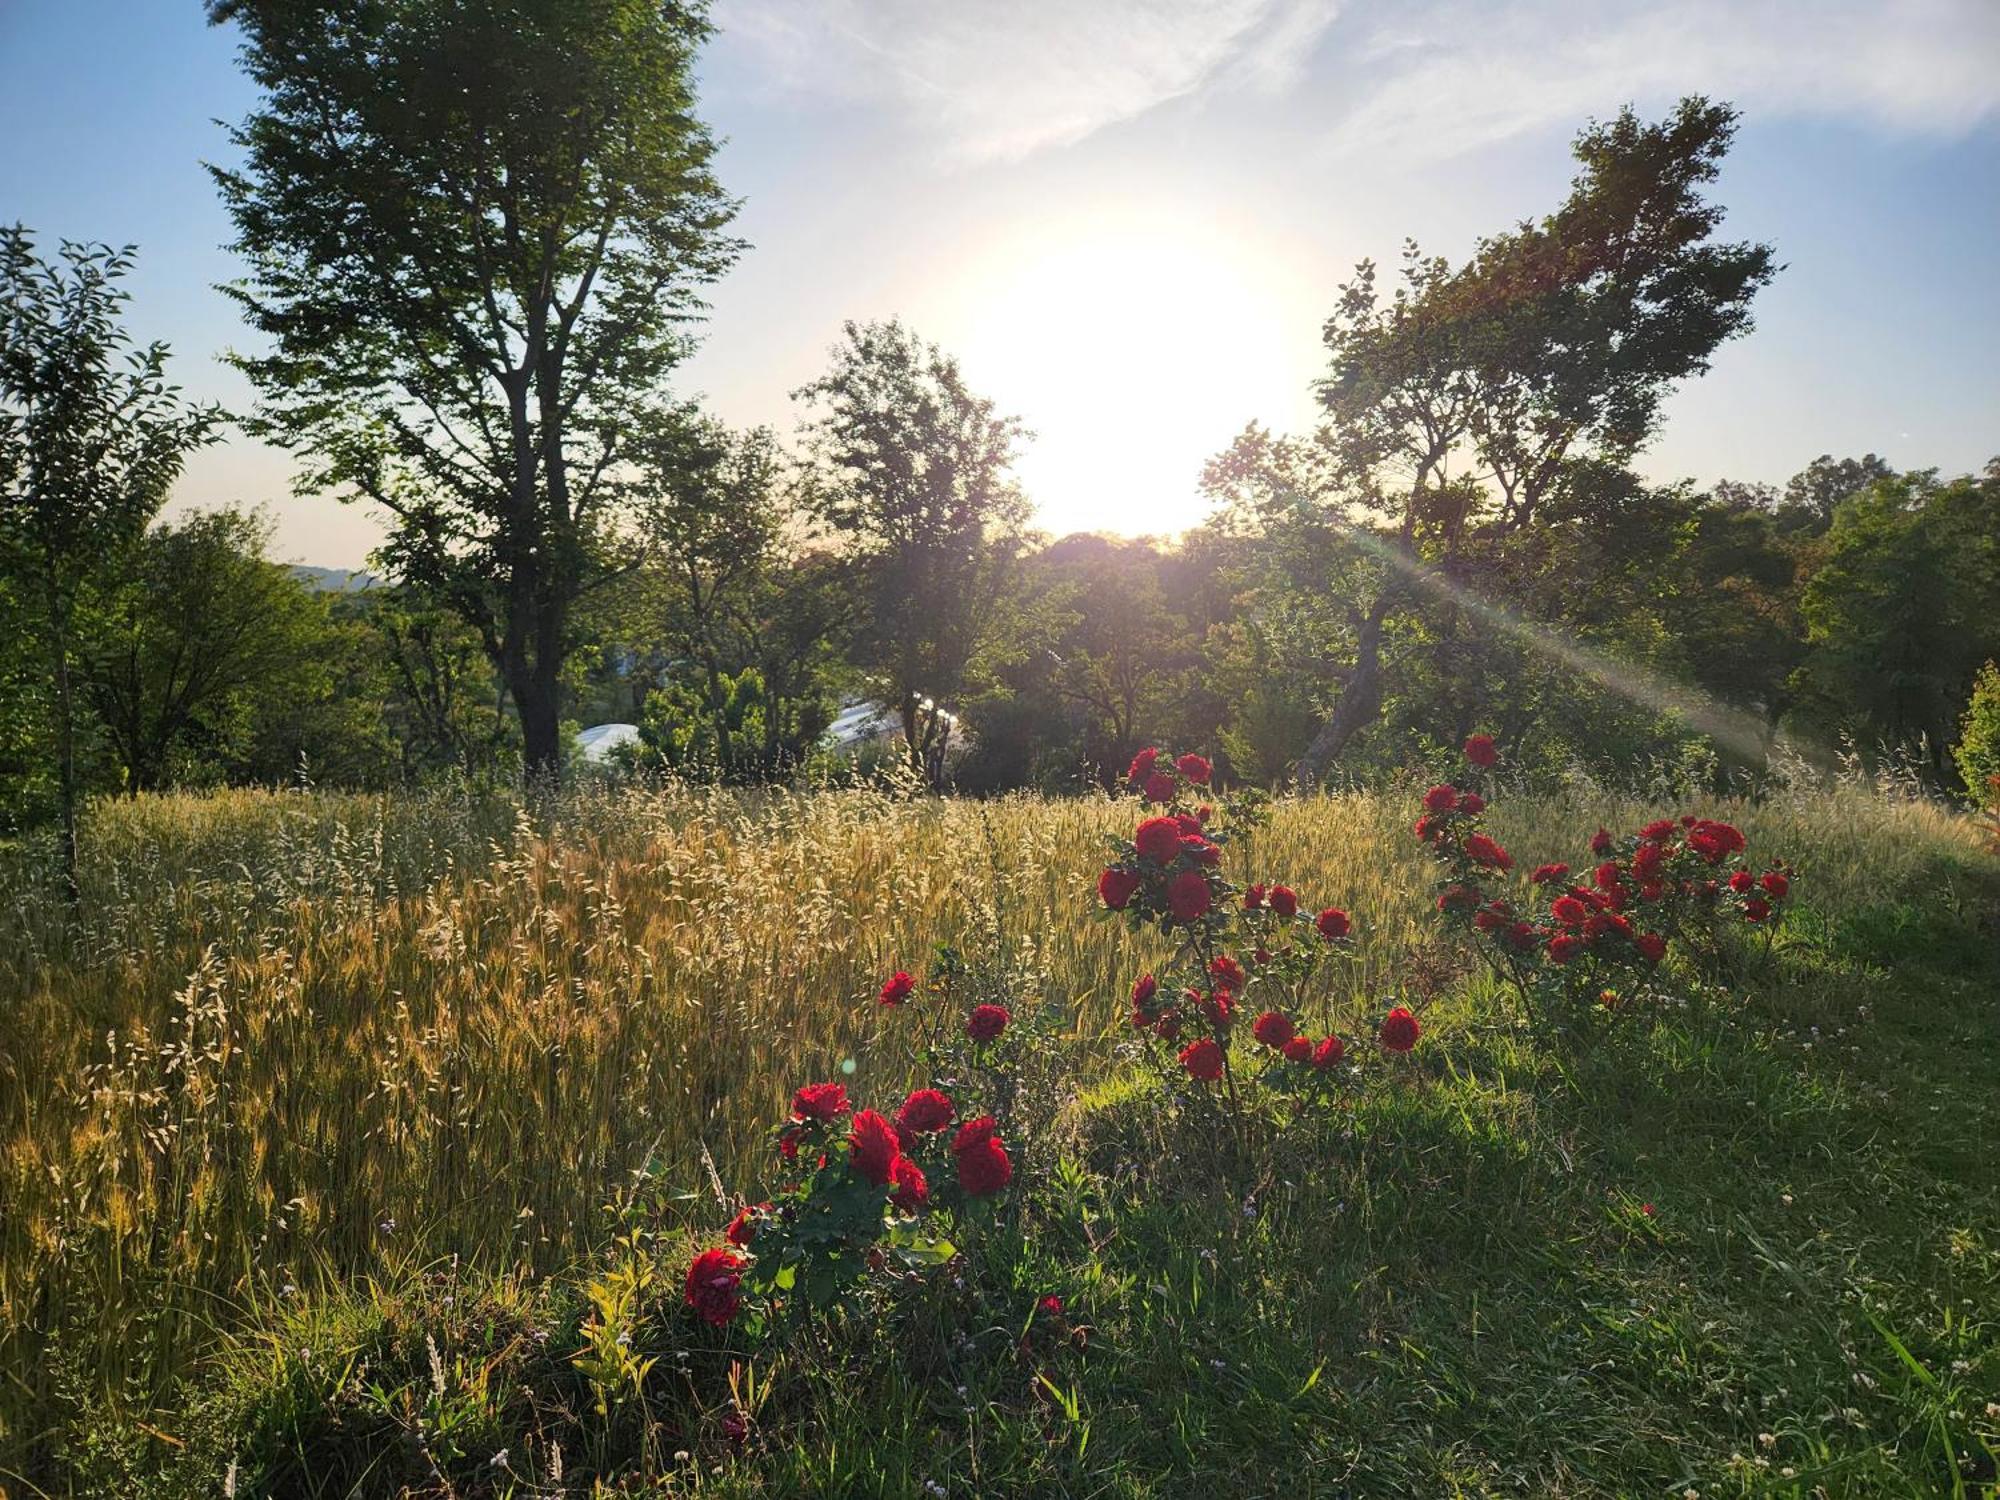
column 713, row 1284
column 1569, row 911
column 1548, row 874
column 1218, row 1005
column 1742, row 880
column 924, row 1111
column 1050, row 1307
column 1457, row 898
column 1600, row 842
column 1479, row 750
column 1486, row 919
column 1523, row 936
column 1299, row 1049
column 912, row 1192
column 1262, row 955
column 1253, row 899
column 1203, row 1060
column 1482, row 850
column 1422, row 827
column 1400, row 1030
column 1273, row 1028
column 1756, row 909
column 1144, row 989
column 1471, row 804
column 1200, row 850
column 1142, row 766
column 986, row 1022
column 1194, row 768
column 873, row 1146
column 1284, row 901
column 1659, row 830
column 820, row 1101
column 1605, row 876
column 1159, row 839
column 1159, row 787
column 1168, row 1027
column 974, row 1133
column 742, row 1229
column 1333, row 923
column 1441, row 798
column 1652, row 945
column 1646, row 861
column 896, row 988
column 1227, row 970
column 1328, row 1052
column 1188, row 896
column 1564, row 946
column 788, row 1145
column 1776, row 884
column 1115, row 887
column 983, row 1167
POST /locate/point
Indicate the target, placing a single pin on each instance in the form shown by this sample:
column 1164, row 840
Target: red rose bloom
column 873, row 1146
column 1548, row 874
column 1482, row 850
column 1652, row 945
column 1050, row 1307
column 1569, row 911
column 912, row 1192
column 896, row 988
column 924, row 1111
column 1299, row 1049
column 1200, row 850
column 1144, row 989
column 1646, row 861
column 1142, row 766
column 974, row 1133
column 1400, row 1030
column 1471, row 804
column 986, row 1022
column 1159, row 839
column 1523, row 936
column 1333, row 923
column 1659, row 830
column 1457, row 898
column 1600, row 842
column 1253, row 898
column 1330, row 1051
column 713, row 1285
column 1479, row 750
column 1227, row 970
column 1742, row 880
column 1218, row 1005
column 1159, row 787
column 983, row 1167
column 1188, row 896
column 1203, row 1060
column 1441, row 798
column 1564, row 946
column 1168, row 1027
column 1422, row 827
column 1115, row 887
column 1194, row 768
column 742, row 1229
column 788, row 1145
column 1486, row 919
column 1273, row 1028
column 1284, row 901
column 1605, row 877
column 1776, row 884
column 1756, row 909
column 820, row 1101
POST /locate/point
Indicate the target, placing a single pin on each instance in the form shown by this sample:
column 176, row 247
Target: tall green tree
column 914, row 470
column 477, row 233
column 91, row 438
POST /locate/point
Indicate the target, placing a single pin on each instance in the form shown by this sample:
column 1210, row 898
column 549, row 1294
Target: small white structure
column 869, row 723
column 596, row 743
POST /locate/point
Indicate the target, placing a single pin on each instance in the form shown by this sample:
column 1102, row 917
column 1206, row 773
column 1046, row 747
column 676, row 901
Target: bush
column 1978, row 752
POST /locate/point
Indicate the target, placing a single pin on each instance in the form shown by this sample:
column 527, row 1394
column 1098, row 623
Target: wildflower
column 987, row 1022
column 873, row 1146
column 1188, row 896
column 820, row 1101
column 896, row 988
column 713, row 1283
column 1203, row 1060
column 1115, row 887
column 1400, row 1030
column 925, row 1110
column 1273, row 1028
column 1333, row 923
column 1480, row 751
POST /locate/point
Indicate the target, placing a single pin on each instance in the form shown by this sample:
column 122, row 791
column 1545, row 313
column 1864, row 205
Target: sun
column 1135, row 348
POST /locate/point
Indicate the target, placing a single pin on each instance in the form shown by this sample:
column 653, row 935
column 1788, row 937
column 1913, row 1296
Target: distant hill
column 335, row 580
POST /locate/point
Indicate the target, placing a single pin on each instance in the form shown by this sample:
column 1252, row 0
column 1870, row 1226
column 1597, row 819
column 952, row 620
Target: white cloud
column 1001, row 79
column 1451, row 76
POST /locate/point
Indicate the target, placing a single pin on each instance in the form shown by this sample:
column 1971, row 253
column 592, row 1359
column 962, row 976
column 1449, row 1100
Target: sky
column 1129, row 218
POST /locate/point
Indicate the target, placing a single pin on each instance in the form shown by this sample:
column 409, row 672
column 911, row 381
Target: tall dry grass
column 296, row 1036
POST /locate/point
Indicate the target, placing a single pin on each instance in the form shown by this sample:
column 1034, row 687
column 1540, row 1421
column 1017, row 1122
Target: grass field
column 317, row 1122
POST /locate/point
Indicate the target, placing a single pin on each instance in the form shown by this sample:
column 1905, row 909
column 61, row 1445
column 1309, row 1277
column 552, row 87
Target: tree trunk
column 65, row 752
column 538, row 700
column 1360, row 701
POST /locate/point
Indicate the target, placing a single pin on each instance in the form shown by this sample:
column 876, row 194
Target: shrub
column 1978, row 752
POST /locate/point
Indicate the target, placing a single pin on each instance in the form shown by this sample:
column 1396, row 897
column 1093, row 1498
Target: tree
column 200, row 634
column 1978, row 751
column 1812, row 494
column 477, row 231
column 91, row 438
column 913, row 469
column 1464, row 412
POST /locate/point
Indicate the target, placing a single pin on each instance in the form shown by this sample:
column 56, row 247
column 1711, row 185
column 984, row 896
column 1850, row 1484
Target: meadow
column 324, row 1117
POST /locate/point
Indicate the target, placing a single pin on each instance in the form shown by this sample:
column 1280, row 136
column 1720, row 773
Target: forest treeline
column 469, row 294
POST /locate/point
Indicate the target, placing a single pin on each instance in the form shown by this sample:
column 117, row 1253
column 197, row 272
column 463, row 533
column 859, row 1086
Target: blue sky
column 1129, row 217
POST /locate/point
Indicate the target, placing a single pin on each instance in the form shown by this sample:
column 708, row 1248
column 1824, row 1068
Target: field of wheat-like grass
column 295, row 1038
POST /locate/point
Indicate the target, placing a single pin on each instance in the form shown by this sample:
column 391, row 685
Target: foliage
column 1978, row 751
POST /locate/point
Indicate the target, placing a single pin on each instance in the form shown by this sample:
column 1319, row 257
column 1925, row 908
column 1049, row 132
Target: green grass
column 1454, row 1289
